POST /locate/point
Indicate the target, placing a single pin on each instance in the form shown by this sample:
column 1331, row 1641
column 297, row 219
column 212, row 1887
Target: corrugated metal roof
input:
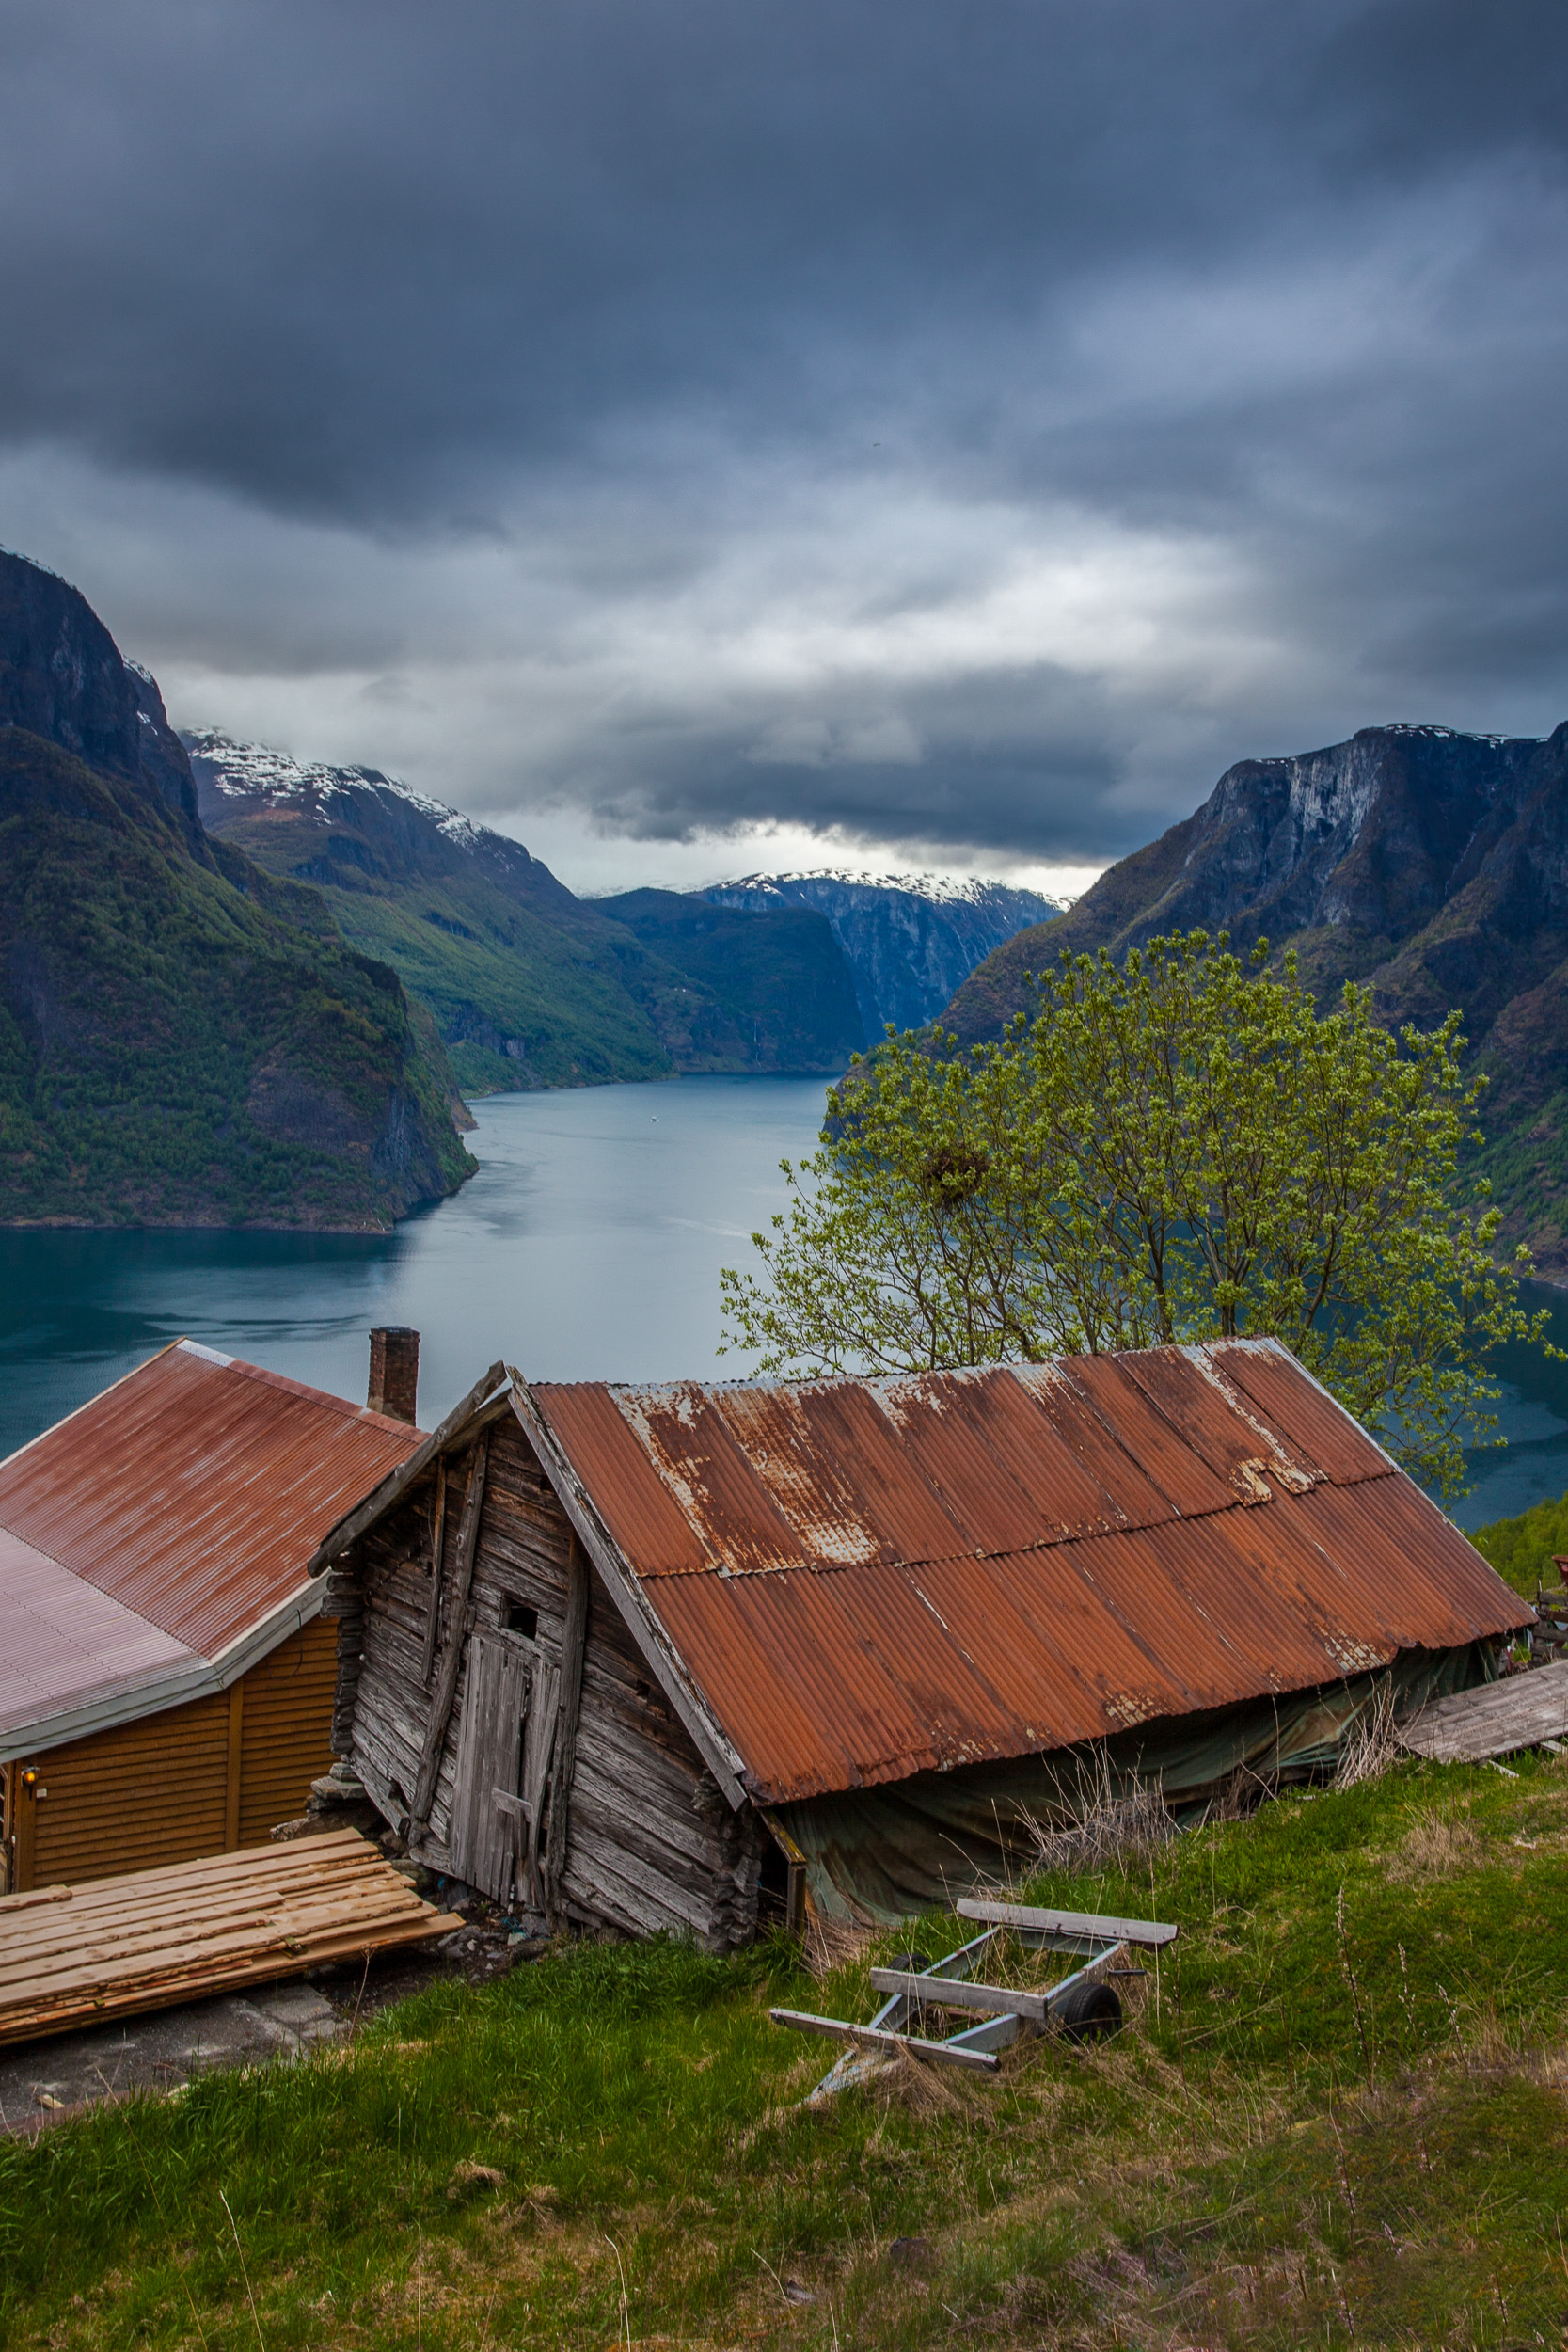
column 190, row 1496
column 63, row 1644
column 866, row 1579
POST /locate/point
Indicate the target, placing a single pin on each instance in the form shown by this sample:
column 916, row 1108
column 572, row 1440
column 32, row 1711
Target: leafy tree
column 1177, row 1149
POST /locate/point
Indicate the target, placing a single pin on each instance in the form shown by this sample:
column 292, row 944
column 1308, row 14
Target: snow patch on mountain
column 313, row 789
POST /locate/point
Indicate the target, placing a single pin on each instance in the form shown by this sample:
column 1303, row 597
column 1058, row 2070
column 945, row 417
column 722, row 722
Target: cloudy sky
column 724, row 433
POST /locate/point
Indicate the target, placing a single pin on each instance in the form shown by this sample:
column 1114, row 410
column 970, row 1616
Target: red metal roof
column 63, row 1644
column 866, row 1579
column 194, row 1492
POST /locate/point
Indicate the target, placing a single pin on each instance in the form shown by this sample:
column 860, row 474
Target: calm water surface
column 588, row 1246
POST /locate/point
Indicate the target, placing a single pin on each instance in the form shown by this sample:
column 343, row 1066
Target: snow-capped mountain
column 402, row 826
column 911, row 940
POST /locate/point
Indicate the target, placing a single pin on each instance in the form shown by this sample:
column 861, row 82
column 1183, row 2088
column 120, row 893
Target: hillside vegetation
column 176, row 1045
column 1335, row 2118
column 763, row 988
column 1523, row 1550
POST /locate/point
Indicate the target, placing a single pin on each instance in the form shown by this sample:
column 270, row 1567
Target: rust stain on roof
column 194, row 1491
column 866, row 1578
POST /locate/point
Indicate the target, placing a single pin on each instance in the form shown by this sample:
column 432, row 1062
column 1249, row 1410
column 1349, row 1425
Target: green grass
column 1520, row 1550
column 1341, row 2110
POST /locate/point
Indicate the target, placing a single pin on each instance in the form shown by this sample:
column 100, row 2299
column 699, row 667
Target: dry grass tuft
column 1436, row 1845
column 1107, row 1827
column 831, row 1943
column 927, row 2087
column 468, row 2179
column 1371, row 1746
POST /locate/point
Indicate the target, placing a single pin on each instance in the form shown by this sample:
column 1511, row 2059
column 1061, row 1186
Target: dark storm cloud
column 963, row 425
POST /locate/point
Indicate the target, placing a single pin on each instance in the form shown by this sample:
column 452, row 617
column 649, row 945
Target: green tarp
column 878, row 1855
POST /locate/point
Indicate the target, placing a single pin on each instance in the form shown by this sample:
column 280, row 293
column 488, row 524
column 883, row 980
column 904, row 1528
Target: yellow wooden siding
column 194, row 1780
column 286, row 1729
column 128, row 1798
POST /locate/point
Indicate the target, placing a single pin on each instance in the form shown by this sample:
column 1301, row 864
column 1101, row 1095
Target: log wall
column 652, row 1844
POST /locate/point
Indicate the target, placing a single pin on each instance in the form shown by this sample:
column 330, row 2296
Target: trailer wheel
column 1091, row 2013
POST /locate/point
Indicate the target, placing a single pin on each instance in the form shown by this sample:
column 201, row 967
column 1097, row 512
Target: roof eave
column 479, row 1406
column 202, row 1678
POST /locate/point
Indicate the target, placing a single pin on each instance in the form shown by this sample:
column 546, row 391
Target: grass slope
column 1522, row 1549
column 528, row 985
column 1338, row 2119
column 190, row 1044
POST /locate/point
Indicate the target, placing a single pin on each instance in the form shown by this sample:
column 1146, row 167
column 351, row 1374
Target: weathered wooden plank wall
column 651, row 1842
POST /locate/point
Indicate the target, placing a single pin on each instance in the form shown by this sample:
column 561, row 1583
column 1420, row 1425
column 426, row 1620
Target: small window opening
column 521, row 1620
column 772, row 1887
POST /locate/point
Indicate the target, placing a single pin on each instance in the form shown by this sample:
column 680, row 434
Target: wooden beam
column 996, row 2000
column 236, row 1749
column 873, row 2037
column 115, row 1947
column 451, row 1658
column 1496, row 1719
column 574, row 1647
column 1075, row 1923
column 437, row 1546
column 27, row 1830
column 396, row 1483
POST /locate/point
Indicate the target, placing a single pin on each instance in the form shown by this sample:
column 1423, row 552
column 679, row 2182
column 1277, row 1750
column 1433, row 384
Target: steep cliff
column 909, row 941
column 1431, row 865
column 763, row 988
column 183, row 1040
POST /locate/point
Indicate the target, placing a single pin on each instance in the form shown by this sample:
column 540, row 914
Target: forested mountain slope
column 766, row 987
column 910, row 939
column 528, row 985
column 1431, row 865
column 183, row 1040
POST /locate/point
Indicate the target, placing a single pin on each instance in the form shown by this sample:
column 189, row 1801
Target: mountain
column 769, row 986
column 1433, row 866
column 910, row 939
column 528, row 985
column 183, row 1040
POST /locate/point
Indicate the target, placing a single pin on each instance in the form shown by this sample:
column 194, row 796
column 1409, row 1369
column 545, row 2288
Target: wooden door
column 538, row 1756
column 483, row 1844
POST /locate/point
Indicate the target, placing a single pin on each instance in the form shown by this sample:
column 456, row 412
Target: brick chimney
column 394, row 1372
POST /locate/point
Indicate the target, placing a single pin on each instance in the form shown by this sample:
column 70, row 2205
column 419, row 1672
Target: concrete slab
column 43, row 2081
column 50, row 2081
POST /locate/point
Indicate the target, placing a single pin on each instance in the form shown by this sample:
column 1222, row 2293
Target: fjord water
column 588, row 1246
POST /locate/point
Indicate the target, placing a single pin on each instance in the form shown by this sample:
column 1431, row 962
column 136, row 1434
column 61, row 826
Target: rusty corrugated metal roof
column 195, row 1490
column 866, row 1579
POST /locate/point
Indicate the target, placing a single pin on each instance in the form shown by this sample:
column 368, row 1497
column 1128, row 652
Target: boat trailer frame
column 1009, row 2015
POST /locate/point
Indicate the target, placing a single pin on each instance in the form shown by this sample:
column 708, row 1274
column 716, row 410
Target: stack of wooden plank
column 1526, row 1710
column 73, row 1956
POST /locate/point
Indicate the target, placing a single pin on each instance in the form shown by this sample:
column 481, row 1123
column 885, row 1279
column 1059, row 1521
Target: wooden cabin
column 632, row 1657
column 167, row 1682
